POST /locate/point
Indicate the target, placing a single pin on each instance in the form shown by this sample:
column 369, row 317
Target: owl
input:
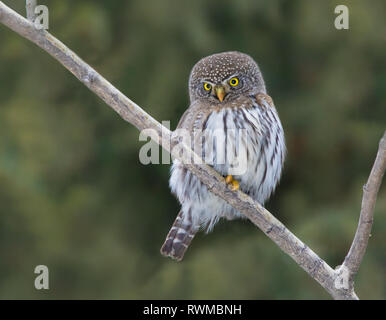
column 237, row 124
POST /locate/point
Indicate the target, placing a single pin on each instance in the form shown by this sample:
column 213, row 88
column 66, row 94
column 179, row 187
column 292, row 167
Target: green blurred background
column 74, row 196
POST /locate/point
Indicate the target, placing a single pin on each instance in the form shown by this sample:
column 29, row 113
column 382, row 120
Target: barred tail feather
column 179, row 237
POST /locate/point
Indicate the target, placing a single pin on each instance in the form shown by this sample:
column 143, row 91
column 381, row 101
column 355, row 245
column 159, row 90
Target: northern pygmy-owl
column 227, row 95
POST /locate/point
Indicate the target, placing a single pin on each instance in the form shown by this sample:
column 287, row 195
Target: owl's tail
column 179, row 237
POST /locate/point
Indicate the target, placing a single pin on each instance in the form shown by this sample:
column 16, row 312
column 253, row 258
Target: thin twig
column 317, row 268
column 370, row 191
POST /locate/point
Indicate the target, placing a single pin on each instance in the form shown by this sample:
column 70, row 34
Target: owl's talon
column 234, row 183
column 229, row 179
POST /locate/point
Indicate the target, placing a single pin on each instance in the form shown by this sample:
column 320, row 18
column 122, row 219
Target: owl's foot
column 234, row 183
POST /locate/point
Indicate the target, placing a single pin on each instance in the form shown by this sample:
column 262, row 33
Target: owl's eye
column 207, row 86
column 234, row 82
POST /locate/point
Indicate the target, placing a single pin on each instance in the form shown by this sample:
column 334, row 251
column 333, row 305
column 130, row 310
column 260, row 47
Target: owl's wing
column 194, row 117
column 185, row 119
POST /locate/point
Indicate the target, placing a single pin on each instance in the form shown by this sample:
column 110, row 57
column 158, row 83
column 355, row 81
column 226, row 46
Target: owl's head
column 223, row 77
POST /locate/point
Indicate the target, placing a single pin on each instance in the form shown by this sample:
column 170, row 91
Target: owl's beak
column 220, row 93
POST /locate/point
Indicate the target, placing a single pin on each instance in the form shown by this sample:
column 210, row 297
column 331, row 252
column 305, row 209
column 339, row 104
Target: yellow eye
column 207, row 86
column 234, row 82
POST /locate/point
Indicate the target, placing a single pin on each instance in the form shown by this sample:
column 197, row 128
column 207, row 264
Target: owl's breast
column 231, row 137
column 246, row 141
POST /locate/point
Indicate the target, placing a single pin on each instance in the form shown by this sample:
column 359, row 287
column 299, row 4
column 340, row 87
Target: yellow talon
column 229, row 179
column 235, row 185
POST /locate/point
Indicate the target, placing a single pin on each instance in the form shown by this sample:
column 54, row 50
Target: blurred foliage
column 74, row 196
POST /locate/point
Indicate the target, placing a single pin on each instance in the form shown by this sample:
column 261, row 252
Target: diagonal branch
column 317, row 268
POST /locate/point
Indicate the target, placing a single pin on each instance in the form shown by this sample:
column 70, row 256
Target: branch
column 370, row 191
column 317, row 268
column 30, row 6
